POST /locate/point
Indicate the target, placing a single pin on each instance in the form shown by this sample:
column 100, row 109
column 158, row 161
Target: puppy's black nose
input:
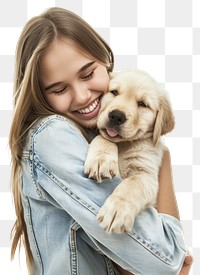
column 117, row 117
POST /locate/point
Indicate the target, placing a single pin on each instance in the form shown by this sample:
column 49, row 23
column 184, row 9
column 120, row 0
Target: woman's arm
column 166, row 200
column 166, row 203
column 155, row 244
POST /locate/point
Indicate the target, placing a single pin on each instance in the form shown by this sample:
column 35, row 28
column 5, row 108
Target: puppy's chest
column 128, row 155
column 137, row 156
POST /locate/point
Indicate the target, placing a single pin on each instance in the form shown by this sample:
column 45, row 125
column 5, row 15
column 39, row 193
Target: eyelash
column 90, row 75
column 60, row 91
column 87, row 77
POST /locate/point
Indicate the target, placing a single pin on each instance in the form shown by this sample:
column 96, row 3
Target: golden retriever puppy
column 134, row 114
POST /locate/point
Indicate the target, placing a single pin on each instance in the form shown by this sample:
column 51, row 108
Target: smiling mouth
column 90, row 108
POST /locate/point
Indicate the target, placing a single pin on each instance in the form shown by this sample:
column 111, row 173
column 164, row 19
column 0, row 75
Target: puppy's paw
column 101, row 166
column 116, row 215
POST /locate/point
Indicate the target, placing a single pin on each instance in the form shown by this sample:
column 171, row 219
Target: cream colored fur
column 136, row 112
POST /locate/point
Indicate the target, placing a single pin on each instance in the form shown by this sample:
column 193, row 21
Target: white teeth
column 90, row 108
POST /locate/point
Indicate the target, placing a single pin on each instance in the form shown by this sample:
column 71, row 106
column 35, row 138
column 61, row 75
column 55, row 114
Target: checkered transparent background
column 159, row 36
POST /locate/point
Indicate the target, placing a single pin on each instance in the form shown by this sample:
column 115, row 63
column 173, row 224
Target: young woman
column 61, row 72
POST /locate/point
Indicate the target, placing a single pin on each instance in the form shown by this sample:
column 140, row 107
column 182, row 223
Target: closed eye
column 61, row 91
column 114, row 92
column 88, row 76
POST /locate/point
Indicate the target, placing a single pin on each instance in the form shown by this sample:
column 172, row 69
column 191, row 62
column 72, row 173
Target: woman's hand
column 186, row 265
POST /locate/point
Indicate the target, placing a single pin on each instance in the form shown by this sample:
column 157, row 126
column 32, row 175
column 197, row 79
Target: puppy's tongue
column 111, row 132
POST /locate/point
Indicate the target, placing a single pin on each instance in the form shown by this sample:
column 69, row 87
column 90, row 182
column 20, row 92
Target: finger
column 188, row 260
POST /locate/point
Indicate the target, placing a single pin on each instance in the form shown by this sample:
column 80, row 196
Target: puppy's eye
column 114, row 92
column 142, row 104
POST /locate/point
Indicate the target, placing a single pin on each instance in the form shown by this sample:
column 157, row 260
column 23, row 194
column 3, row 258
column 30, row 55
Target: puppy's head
column 136, row 107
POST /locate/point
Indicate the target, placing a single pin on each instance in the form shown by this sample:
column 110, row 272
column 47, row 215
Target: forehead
column 133, row 81
column 61, row 59
column 61, row 51
column 136, row 86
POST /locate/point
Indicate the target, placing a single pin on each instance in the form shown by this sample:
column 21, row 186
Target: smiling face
column 132, row 105
column 73, row 83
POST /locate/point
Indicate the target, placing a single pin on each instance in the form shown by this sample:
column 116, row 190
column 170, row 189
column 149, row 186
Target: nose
column 117, row 117
column 81, row 94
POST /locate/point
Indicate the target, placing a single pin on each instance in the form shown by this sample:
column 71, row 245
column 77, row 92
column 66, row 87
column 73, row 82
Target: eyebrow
column 86, row 66
column 60, row 82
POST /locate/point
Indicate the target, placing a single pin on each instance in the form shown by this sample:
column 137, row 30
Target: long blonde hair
column 29, row 103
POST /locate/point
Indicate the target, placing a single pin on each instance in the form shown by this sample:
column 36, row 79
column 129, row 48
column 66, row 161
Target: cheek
column 106, row 83
column 147, row 117
column 58, row 103
column 102, row 81
column 106, row 99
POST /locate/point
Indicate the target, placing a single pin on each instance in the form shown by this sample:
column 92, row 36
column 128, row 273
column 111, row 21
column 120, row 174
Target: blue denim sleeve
column 155, row 245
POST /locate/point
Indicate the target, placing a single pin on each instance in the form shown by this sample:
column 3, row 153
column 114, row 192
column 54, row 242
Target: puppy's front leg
column 132, row 195
column 102, row 159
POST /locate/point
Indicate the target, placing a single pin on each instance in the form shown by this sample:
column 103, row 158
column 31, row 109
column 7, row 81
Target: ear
column 165, row 121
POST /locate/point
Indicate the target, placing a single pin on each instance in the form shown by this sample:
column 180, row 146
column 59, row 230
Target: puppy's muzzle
column 116, row 117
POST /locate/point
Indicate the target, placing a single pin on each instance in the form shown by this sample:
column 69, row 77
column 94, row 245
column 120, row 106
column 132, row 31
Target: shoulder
column 55, row 132
column 54, row 122
column 56, row 137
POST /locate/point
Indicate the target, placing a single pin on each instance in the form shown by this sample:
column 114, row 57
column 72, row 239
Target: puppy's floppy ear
column 165, row 121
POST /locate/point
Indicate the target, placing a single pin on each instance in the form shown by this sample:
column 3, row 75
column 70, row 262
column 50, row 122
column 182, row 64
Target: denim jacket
column 60, row 206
